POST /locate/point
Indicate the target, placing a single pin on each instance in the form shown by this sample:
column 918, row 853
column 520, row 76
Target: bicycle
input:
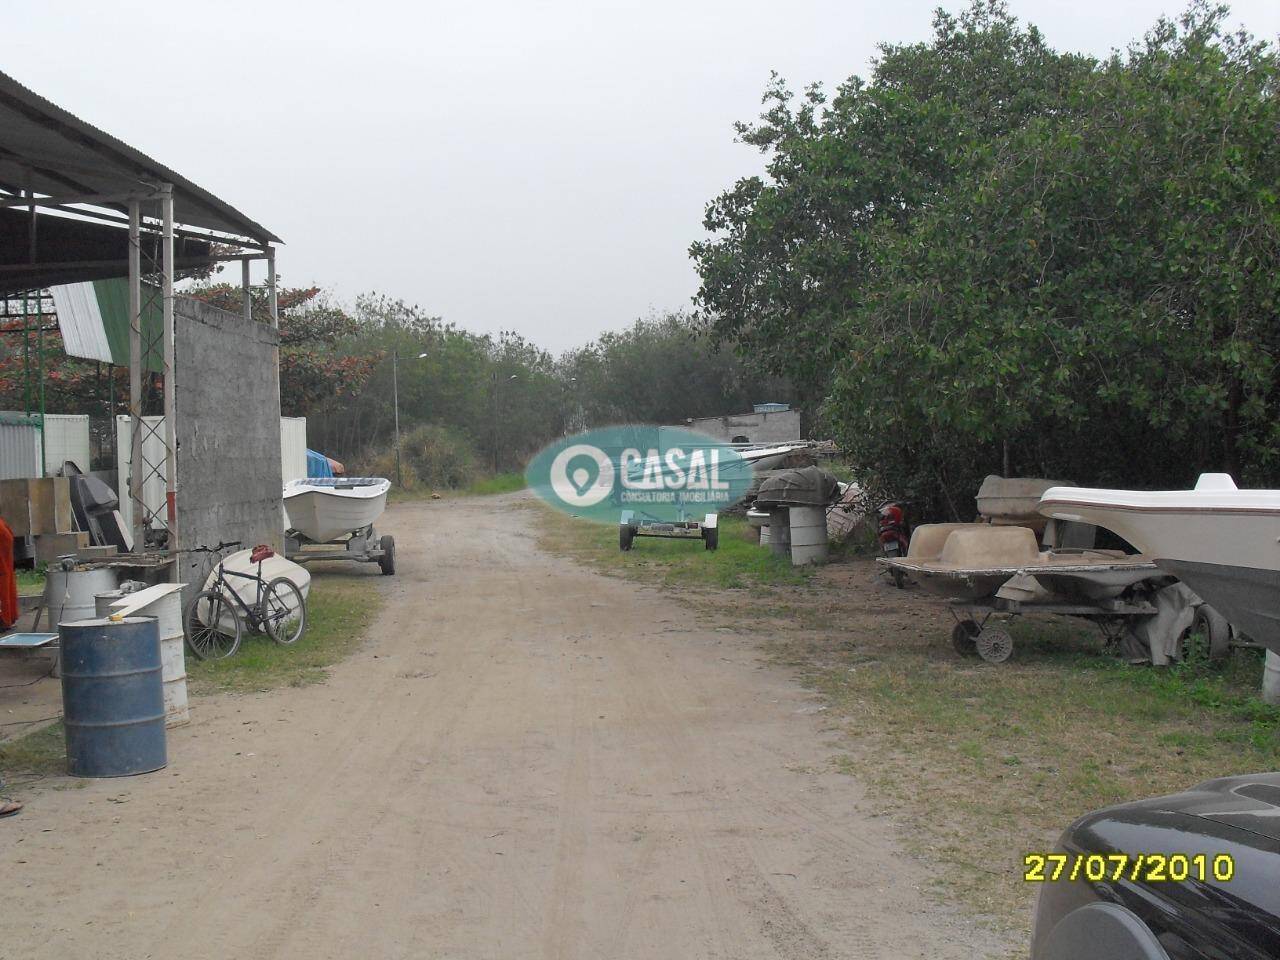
column 212, row 622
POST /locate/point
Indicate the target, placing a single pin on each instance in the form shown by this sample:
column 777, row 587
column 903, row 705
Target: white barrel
column 103, row 601
column 1271, row 678
column 779, row 533
column 167, row 609
column 808, row 526
column 69, row 594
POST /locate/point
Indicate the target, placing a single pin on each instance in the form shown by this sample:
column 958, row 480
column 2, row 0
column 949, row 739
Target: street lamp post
column 395, row 405
column 493, row 400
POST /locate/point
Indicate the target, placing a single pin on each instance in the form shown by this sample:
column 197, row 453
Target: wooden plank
column 50, row 546
column 63, row 517
column 15, row 506
column 130, row 603
column 40, row 496
column 97, row 553
column 50, row 505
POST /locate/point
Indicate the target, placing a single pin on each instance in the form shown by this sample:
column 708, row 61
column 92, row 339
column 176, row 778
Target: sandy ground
column 525, row 760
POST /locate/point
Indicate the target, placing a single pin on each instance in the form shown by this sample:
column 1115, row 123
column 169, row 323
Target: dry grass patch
column 978, row 763
column 986, row 763
column 340, row 608
column 41, row 753
column 738, row 562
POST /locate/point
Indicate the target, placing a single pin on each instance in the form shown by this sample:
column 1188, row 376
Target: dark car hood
column 1236, row 817
column 1250, row 802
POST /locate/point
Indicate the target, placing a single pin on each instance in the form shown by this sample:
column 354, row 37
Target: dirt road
column 526, row 760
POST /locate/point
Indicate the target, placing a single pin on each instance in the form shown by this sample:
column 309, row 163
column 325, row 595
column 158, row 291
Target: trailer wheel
column 1207, row 642
column 994, row 644
column 963, row 636
column 710, row 537
column 626, row 536
column 388, row 559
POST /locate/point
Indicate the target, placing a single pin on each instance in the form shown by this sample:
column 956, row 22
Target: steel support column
column 139, row 507
column 271, row 288
column 170, row 387
column 246, row 290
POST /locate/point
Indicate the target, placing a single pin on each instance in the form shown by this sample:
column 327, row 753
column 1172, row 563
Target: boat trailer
column 630, row 526
column 363, row 546
column 972, row 637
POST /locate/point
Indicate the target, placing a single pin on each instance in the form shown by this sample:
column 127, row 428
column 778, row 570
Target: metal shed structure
column 77, row 204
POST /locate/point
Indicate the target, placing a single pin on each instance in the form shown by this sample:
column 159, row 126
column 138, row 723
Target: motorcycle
column 894, row 536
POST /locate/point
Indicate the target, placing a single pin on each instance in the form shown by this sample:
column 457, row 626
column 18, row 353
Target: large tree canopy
column 992, row 247
column 662, row 369
column 790, row 254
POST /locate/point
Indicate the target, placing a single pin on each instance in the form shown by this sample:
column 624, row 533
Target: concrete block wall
column 779, row 427
column 228, row 428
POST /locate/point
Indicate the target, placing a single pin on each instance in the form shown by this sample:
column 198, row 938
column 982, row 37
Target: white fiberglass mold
column 1222, row 542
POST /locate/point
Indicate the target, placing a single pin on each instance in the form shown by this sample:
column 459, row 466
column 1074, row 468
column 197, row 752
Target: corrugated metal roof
column 64, row 155
column 64, row 245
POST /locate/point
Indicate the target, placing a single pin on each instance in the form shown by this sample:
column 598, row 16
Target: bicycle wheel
column 211, row 626
column 284, row 612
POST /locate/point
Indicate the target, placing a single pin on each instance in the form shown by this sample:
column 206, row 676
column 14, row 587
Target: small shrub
column 431, row 456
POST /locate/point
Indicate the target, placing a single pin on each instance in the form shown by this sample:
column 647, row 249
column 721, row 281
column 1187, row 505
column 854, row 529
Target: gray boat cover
column 1158, row 637
column 801, row 487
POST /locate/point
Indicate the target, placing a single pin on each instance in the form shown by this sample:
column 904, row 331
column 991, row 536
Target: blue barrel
column 112, row 696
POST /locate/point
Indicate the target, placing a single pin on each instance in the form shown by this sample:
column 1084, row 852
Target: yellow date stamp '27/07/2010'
column 1135, row 867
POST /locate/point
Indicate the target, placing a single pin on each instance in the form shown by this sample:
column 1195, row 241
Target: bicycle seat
column 261, row 552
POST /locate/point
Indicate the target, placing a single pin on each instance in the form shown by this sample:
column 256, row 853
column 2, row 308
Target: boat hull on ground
column 1069, row 578
column 326, row 512
column 1096, row 580
column 1221, row 542
column 953, row 584
column 1246, row 596
column 968, row 561
column 274, row 566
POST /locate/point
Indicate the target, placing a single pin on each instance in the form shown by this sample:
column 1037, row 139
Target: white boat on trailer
column 323, row 508
column 1222, row 542
column 331, row 518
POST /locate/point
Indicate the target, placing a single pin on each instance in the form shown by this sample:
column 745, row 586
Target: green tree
column 1085, row 283
column 790, row 254
column 662, row 369
column 1099, row 293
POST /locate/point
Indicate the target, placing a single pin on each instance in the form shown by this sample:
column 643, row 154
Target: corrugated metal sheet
column 93, row 319
column 80, row 321
column 19, row 447
column 293, row 448
column 66, row 437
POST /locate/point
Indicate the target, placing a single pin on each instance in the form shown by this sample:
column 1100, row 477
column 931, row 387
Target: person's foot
column 9, row 809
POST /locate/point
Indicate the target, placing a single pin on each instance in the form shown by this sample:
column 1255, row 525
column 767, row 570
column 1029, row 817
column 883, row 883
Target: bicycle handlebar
column 226, row 544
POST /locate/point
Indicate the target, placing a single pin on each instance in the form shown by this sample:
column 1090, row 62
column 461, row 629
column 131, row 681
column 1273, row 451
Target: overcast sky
column 508, row 165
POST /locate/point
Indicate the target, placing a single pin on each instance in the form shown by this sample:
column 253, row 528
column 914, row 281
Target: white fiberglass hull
column 1222, row 542
column 326, row 512
column 1098, row 580
column 274, row 566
